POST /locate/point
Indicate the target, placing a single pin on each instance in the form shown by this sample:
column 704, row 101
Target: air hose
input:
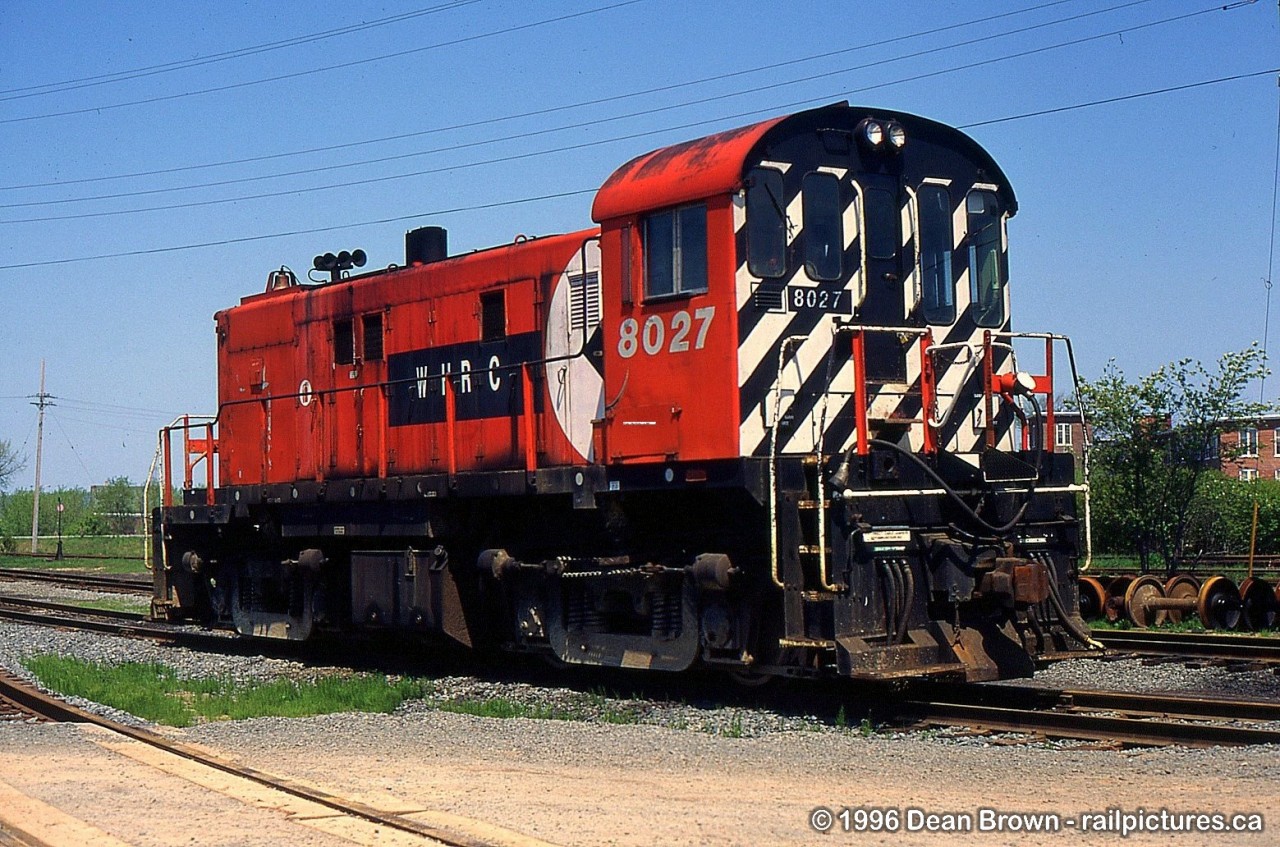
column 951, row 492
column 1055, row 599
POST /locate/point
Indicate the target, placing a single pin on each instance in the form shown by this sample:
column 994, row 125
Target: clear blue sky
column 1143, row 232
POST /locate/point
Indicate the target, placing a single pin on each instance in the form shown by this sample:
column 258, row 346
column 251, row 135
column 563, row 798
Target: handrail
column 773, row 459
column 206, row 446
column 1086, row 435
column 859, row 351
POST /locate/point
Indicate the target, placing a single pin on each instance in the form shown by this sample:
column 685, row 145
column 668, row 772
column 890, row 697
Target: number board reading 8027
column 805, row 298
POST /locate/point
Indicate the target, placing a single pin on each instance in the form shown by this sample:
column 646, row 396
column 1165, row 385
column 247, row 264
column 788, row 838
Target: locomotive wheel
column 1181, row 586
column 1093, row 598
column 1114, row 606
column 751, row 679
column 1141, row 590
column 1219, row 603
column 1258, row 604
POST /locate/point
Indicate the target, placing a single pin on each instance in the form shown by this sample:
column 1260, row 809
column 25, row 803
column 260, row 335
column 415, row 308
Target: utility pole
column 42, row 400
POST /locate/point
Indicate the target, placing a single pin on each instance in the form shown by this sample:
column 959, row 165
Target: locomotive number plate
column 801, row 298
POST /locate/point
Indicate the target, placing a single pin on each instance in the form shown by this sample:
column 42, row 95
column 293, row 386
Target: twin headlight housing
column 882, row 135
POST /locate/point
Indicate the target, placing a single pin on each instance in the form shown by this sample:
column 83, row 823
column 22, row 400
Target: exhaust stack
column 425, row 245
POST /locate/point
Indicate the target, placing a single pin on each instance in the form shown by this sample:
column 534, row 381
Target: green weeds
column 157, row 693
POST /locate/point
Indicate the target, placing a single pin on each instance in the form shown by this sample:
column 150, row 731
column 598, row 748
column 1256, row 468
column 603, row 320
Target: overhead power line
column 1120, row 99
column 344, row 226
column 577, row 193
column 583, row 124
column 349, row 64
column 566, row 107
column 585, row 145
column 184, row 64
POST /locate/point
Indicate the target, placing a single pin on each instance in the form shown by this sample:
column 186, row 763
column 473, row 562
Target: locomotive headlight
column 872, row 133
column 897, row 136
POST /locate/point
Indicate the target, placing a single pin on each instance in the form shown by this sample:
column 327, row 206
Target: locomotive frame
column 767, row 417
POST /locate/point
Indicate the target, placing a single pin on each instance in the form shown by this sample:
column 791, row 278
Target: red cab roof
column 680, row 173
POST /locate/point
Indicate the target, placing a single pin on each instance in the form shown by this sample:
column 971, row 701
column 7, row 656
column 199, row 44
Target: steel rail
column 1147, row 703
column 1138, row 732
column 1130, row 718
column 107, row 622
column 73, row 609
column 98, row 582
column 16, row 705
column 1249, row 648
column 55, row 709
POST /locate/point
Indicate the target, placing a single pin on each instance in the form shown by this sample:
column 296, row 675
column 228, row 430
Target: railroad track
column 1202, row 645
column 1110, row 716
column 127, row 624
column 317, row 806
column 135, row 584
column 1123, row 718
column 15, row 705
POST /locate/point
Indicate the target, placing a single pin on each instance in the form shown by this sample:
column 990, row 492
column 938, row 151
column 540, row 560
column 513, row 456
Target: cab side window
column 986, row 263
column 675, row 252
column 823, row 226
column 766, row 224
column 938, row 292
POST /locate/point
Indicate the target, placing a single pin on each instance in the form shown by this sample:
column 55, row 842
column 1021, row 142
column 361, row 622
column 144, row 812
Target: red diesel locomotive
column 767, row 417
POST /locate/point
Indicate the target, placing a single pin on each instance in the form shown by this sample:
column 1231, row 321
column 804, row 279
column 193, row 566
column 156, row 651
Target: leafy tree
column 15, row 513
column 10, row 463
column 113, row 508
column 1221, row 519
column 1151, row 441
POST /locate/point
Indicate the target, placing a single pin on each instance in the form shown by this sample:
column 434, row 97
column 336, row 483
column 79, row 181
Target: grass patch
column 1190, row 624
column 605, row 708
column 125, row 552
column 734, row 729
column 504, row 707
column 135, row 605
column 155, row 692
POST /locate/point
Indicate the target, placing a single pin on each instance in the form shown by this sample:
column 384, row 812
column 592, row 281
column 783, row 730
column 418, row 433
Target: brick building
column 1258, row 444
column 1068, row 434
column 1258, row 458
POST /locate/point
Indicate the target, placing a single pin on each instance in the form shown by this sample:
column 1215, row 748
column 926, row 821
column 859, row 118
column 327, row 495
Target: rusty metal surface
column 679, row 173
column 1121, row 717
column 1097, row 727
column 24, row 702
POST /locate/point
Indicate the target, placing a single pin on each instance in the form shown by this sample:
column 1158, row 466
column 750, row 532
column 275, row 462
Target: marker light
column 872, row 133
column 897, row 136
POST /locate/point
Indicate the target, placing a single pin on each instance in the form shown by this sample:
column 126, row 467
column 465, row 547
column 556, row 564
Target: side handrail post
column 928, row 394
column 186, row 452
column 209, row 450
column 860, row 392
column 167, row 496
column 529, row 420
column 987, row 393
column 450, row 423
